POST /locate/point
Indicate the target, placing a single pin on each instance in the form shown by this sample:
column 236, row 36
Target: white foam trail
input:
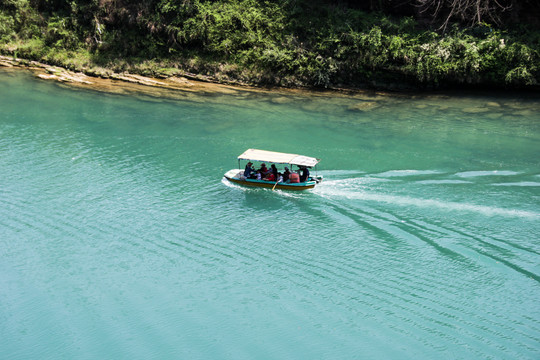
column 399, row 173
column 425, row 203
column 521, row 183
column 232, row 185
column 353, row 183
column 289, row 194
column 280, row 192
column 467, row 174
column 435, row 182
column 340, row 172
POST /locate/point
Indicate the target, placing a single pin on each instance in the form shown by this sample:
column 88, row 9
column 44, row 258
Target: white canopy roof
column 278, row 158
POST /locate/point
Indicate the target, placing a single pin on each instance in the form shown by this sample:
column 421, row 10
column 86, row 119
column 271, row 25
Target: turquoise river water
column 119, row 238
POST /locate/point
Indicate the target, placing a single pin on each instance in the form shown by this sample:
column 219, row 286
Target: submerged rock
column 494, row 115
column 281, row 100
column 475, row 110
column 523, row 113
column 363, row 106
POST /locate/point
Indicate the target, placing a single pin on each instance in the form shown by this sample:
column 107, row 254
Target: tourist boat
column 271, row 157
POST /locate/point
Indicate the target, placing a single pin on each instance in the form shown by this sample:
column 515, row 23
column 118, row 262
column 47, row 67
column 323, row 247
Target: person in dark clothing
column 274, row 170
column 305, row 174
column 249, row 170
column 286, row 174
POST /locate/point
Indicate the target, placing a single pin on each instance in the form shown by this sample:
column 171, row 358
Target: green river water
column 119, row 238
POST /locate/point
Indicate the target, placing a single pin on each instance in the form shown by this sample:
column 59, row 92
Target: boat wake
column 389, row 188
column 328, row 191
column 401, row 173
column 469, row 225
column 468, row 174
column 421, row 189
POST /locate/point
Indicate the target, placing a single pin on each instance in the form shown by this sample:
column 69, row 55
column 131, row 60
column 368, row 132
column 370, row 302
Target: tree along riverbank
column 314, row 44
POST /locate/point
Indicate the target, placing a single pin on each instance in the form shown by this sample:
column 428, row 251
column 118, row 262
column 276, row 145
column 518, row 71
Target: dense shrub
column 284, row 42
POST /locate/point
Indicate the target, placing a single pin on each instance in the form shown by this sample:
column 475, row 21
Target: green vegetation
column 284, row 43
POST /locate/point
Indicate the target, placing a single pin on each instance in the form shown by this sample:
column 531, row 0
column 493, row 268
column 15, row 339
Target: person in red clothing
column 264, row 170
column 270, row 177
column 294, row 178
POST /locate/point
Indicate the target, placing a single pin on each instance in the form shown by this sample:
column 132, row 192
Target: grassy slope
column 284, row 43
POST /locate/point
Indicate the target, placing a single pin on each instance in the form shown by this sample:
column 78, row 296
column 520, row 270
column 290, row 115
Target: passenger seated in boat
column 264, row 170
column 249, row 170
column 294, row 178
column 274, row 170
column 258, row 175
column 286, row 174
column 305, row 174
column 270, row 177
column 280, row 178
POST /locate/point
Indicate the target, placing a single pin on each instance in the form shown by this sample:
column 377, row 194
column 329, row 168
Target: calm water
column 120, row 240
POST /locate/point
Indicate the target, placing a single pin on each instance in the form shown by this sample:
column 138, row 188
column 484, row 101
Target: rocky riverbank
column 105, row 79
column 334, row 101
column 179, row 86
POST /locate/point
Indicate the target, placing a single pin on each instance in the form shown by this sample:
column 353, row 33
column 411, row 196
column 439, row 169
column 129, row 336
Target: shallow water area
column 120, row 238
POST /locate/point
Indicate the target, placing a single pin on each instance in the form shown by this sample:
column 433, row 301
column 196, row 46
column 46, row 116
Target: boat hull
column 236, row 177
